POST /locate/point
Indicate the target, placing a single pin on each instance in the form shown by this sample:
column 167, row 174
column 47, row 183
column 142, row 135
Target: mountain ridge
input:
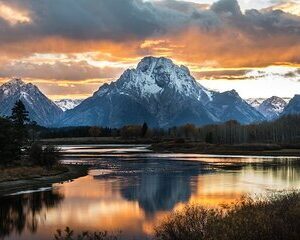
column 41, row 109
column 272, row 107
column 293, row 107
column 157, row 91
column 162, row 93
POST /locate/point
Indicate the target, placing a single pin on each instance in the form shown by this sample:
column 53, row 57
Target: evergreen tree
column 19, row 114
column 8, row 147
column 144, row 129
column 19, row 118
column 209, row 137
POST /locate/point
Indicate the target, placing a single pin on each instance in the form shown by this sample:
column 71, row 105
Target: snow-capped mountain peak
column 255, row 102
column 162, row 94
column 40, row 108
column 67, row 104
column 16, row 82
column 13, row 86
column 272, row 107
column 154, row 76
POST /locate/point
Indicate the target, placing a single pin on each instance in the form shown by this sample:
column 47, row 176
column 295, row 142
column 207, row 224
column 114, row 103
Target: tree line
column 19, row 136
column 18, row 141
column 285, row 130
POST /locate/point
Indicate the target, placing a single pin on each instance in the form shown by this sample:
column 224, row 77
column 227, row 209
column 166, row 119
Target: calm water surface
column 130, row 189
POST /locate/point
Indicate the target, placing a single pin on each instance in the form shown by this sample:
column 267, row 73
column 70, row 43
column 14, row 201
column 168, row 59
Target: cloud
column 58, row 71
column 292, row 7
column 238, row 74
column 115, row 20
column 227, row 7
column 186, row 31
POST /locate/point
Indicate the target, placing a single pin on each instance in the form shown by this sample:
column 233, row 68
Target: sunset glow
column 221, row 42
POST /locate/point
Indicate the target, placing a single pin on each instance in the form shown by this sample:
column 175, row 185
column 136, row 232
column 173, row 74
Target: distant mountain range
column 68, row 104
column 158, row 92
column 255, row 102
column 271, row 107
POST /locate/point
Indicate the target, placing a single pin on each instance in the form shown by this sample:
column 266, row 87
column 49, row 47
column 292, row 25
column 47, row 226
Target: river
column 130, row 189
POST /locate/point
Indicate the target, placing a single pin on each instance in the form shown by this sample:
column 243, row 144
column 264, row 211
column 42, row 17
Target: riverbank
column 177, row 146
column 241, row 149
column 28, row 178
column 273, row 218
column 96, row 140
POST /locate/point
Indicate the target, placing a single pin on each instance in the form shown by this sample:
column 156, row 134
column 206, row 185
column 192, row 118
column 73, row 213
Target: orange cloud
column 218, row 41
column 13, row 15
column 289, row 7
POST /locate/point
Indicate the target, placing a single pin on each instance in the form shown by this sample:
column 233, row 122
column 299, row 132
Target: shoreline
column 34, row 183
column 96, row 140
column 70, row 172
column 234, row 150
column 172, row 146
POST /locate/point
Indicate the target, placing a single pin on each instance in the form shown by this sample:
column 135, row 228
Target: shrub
column 44, row 156
column 275, row 219
column 68, row 234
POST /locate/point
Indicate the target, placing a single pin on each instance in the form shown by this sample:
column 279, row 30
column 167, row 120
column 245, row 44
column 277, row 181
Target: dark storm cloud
column 121, row 20
column 230, row 7
column 221, row 34
column 95, row 19
column 83, row 19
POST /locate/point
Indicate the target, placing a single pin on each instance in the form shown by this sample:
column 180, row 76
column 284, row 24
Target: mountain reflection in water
column 130, row 189
column 156, row 185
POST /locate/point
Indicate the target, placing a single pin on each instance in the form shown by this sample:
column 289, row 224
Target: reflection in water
column 156, row 185
column 158, row 192
column 130, row 190
column 20, row 212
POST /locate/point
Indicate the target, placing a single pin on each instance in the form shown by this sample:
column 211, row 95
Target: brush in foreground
column 277, row 218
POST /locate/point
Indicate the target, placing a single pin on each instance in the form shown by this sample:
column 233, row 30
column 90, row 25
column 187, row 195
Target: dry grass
column 28, row 172
column 277, row 218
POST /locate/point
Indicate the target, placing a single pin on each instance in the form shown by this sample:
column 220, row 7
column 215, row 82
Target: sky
column 69, row 48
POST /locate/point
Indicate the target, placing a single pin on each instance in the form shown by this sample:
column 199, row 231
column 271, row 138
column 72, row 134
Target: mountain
column 255, row 102
column 230, row 106
column 40, row 108
column 163, row 95
column 272, row 107
column 67, row 104
column 293, row 106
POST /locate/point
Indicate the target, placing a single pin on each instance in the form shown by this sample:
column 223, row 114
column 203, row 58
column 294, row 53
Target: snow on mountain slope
column 272, row 107
column 67, row 104
column 255, row 102
column 162, row 94
column 40, row 108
